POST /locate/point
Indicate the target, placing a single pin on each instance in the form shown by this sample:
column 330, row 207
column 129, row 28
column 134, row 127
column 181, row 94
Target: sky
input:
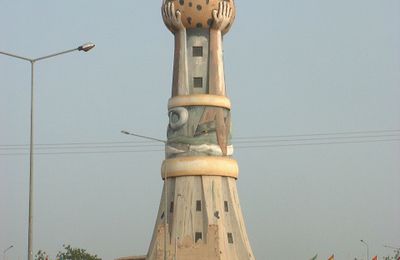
column 294, row 70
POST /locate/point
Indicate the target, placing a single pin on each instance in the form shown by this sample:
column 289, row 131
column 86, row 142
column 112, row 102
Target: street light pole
column 30, row 214
column 5, row 251
column 365, row 243
column 85, row 47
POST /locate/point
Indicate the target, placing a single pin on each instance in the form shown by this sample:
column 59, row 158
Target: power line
column 323, row 143
column 110, row 146
column 81, row 147
column 322, row 134
column 238, row 147
column 80, row 143
column 250, row 139
column 317, row 138
column 83, row 152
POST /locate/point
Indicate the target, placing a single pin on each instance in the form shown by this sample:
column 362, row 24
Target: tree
column 41, row 255
column 395, row 257
column 70, row 253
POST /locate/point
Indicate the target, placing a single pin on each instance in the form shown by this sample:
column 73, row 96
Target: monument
column 199, row 217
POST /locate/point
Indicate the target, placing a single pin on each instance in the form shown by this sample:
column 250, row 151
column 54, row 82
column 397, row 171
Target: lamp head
column 86, row 47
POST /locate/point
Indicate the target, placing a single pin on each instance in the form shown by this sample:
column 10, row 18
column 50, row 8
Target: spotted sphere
column 198, row 13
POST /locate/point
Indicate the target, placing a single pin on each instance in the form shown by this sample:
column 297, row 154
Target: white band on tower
column 200, row 166
column 199, row 100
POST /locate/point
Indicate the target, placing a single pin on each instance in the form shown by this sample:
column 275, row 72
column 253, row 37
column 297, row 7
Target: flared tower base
column 200, row 219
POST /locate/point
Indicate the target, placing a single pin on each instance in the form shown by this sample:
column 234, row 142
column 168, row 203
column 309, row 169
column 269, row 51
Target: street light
column 165, row 189
column 365, row 243
column 144, row 137
column 85, row 47
column 5, row 251
column 392, row 247
column 396, row 250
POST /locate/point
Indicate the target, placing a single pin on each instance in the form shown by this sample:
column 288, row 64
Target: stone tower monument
column 199, row 216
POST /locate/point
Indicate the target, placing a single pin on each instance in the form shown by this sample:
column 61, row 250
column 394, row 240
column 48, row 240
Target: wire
column 88, row 152
column 81, row 147
column 53, row 147
column 318, row 138
column 324, row 143
column 251, row 139
column 238, row 147
column 321, row 134
column 81, row 143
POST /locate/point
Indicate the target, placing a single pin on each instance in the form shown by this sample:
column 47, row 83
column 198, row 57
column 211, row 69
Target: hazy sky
column 292, row 68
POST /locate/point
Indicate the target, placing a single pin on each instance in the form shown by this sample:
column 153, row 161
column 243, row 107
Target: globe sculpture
column 199, row 13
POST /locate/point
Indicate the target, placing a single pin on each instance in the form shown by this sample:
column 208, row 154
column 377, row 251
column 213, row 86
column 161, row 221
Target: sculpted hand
column 172, row 18
column 222, row 16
